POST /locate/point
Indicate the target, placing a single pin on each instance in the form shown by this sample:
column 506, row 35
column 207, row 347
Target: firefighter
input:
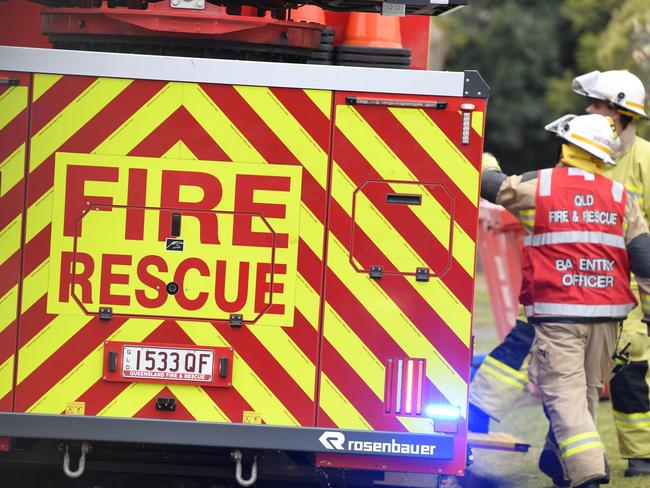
column 621, row 96
column 588, row 234
column 502, row 377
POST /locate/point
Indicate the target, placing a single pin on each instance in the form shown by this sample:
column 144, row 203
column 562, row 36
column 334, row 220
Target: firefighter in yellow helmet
column 588, row 234
column 621, row 96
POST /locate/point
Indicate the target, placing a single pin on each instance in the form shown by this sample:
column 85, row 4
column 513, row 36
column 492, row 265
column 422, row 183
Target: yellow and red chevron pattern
column 60, row 356
column 13, row 129
column 380, row 151
column 329, row 368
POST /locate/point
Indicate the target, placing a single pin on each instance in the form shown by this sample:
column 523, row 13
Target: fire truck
column 234, row 245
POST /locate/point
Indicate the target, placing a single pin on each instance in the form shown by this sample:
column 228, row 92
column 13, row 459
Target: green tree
column 586, row 20
column 625, row 44
column 529, row 51
column 610, row 34
column 517, row 47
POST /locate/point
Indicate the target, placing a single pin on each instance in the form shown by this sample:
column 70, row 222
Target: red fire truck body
column 242, row 256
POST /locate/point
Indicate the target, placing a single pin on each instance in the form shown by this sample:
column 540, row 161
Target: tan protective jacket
column 633, row 168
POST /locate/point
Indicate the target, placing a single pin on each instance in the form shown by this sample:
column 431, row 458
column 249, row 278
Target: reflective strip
column 545, row 182
column 635, row 190
column 581, row 172
column 645, row 300
column 579, row 443
column 634, row 104
column 617, row 191
column 527, row 218
column 637, row 193
column 569, row 310
column 604, row 149
column 505, row 373
column 575, row 236
column 637, row 420
column 527, row 214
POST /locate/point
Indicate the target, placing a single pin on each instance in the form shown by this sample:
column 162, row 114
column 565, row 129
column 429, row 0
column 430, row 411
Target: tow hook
column 85, row 449
column 237, row 457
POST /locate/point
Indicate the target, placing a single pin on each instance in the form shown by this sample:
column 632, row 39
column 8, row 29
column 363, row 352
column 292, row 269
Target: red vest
column 575, row 263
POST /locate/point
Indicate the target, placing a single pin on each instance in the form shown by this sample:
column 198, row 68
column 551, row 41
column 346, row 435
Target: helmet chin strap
column 579, row 158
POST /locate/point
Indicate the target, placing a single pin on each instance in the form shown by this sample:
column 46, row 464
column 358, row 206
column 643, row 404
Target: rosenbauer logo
column 126, row 230
column 337, row 441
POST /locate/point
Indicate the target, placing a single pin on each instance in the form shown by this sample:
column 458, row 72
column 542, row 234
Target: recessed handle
column 112, row 361
column 176, row 224
column 438, row 104
column 404, row 198
column 223, row 367
column 11, row 81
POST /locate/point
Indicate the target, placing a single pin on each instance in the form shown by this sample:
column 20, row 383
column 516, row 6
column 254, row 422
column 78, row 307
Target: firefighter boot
column 589, row 484
column 477, row 420
column 550, row 465
column 638, row 467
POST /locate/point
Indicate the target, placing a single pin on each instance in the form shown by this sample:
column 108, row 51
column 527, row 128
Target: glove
column 489, row 162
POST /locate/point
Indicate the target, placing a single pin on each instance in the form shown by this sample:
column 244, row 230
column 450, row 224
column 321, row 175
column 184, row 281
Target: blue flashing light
column 447, row 412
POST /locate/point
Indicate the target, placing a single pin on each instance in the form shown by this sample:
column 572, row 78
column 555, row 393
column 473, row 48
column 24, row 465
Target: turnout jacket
column 588, row 269
column 633, row 168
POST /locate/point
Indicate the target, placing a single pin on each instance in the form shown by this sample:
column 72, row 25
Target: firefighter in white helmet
column 621, row 96
column 502, row 376
column 588, row 234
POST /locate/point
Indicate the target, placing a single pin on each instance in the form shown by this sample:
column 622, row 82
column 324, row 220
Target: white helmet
column 619, row 87
column 593, row 133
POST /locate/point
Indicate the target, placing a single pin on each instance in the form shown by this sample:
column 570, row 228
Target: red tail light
column 403, row 386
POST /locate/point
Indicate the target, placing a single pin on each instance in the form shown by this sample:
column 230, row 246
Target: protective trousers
column 501, row 378
column 630, row 390
column 570, row 363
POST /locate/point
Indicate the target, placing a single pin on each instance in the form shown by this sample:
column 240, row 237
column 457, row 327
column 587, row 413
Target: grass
column 501, row 469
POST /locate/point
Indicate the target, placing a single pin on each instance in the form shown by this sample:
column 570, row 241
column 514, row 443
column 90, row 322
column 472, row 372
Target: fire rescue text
column 238, row 224
column 578, row 273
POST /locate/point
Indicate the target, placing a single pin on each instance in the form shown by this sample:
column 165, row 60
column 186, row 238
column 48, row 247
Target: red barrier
column 500, row 242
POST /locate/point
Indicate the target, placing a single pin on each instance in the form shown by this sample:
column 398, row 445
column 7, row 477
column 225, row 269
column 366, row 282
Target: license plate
column 172, row 364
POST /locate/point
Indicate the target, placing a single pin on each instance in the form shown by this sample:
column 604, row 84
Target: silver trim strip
column 225, row 71
column 570, row 237
column 617, row 191
column 545, row 182
column 595, row 439
column 568, row 310
column 581, row 172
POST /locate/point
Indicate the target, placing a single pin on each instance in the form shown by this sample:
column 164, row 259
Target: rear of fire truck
column 236, row 269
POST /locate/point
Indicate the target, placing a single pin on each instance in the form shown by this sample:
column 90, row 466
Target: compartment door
column 14, row 93
column 245, row 169
column 400, row 266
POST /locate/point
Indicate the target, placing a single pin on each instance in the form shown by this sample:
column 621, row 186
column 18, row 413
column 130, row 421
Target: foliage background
column 529, row 51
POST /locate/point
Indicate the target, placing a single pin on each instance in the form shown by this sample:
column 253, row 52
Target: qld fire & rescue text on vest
column 578, row 271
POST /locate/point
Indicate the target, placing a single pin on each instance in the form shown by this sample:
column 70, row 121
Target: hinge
column 236, row 320
column 421, row 274
column 376, row 272
column 105, row 313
